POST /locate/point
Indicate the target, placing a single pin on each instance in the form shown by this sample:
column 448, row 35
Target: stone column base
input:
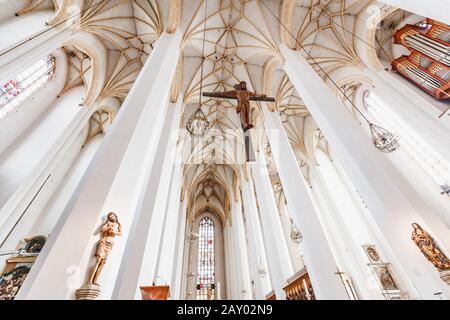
column 88, row 292
column 445, row 275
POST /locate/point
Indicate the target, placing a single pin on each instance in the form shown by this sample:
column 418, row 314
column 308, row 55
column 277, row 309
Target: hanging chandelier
column 383, row 140
column 198, row 124
column 296, row 235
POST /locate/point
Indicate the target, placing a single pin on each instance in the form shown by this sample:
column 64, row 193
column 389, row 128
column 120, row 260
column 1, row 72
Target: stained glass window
column 28, row 82
column 205, row 265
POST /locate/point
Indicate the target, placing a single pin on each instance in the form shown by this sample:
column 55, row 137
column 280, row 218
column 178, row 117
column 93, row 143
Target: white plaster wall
column 18, row 120
column 14, row 29
column 18, row 161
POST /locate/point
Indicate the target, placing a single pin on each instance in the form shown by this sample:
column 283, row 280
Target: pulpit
column 155, row 293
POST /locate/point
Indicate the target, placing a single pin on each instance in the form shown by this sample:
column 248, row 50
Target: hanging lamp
column 198, row 124
column 296, row 235
column 382, row 139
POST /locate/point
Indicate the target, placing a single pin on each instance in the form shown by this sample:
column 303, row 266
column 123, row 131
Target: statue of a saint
column 210, row 293
column 429, row 248
column 110, row 229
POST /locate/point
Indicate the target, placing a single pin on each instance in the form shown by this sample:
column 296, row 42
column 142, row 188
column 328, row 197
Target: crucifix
column 243, row 96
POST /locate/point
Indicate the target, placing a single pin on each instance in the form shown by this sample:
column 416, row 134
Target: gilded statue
column 429, row 248
column 110, row 229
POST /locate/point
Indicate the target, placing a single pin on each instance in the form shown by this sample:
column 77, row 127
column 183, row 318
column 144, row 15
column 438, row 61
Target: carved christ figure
column 110, row 229
column 429, row 248
column 244, row 97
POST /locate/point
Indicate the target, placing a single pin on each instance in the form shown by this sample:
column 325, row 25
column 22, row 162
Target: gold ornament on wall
column 431, row 251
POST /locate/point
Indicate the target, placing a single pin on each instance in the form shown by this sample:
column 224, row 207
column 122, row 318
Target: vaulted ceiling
column 242, row 39
column 240, row 45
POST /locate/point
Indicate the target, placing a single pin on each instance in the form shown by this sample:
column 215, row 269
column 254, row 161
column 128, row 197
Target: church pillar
column 256, row 243
column 182, row 251
column 277, row 252
column 409, row 106
column 236, row 264
column 435, row 9
column 38, row 182
column 321, row 267
column 137, row 126
column 348, row 252
column 294, row 249
column 424, row 146
column 139, row 264
column 167, row 256
column 392, row 202
column 244, row 285
column 230, row 263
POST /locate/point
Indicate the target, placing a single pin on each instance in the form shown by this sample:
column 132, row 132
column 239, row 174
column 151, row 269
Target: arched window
column 206, row 259
column 434, row 165
column 28, row 82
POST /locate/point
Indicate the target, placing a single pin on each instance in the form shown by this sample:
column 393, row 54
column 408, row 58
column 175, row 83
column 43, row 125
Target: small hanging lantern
column 198, row 125
column 261, row 270
column 383, row 140
column 296, row 235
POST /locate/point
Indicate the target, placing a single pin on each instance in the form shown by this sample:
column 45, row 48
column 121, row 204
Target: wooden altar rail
column 300, row 287
column 271, row 296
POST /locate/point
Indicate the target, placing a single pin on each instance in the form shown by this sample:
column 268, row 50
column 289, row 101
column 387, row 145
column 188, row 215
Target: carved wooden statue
column 244, row 97
column 111, row 229
column 429, row 248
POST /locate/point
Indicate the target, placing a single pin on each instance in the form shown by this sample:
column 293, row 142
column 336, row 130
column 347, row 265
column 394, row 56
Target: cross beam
column 225, row 96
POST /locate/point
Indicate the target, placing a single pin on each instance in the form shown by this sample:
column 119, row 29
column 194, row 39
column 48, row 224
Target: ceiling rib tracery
column 239, row 45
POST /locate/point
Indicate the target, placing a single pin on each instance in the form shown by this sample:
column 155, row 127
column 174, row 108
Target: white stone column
column 357, row 229
column 277, row 252
column 409, row 106
column 256, row 242
column 321, row 267
column 139, row 262
column 230, row 264
column 244, row 282
column 348, row 252
column 167, row 253
column 72, row 240
column 435, row 9
column 36, row 181
column 392, row 202
column 180, row 269
column 294, row 248
column 235, row 248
